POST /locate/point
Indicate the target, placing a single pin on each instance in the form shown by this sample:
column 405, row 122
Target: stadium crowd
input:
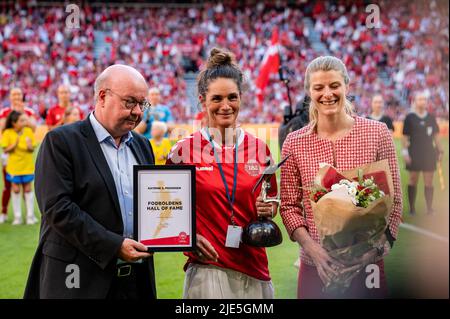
column 409, row 51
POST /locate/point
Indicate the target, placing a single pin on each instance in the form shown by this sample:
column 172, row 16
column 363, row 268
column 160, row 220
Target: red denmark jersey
column 5, row 112
column 56, row 113
column 213, row 213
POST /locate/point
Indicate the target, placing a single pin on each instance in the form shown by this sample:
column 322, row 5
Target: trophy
column 264, row 232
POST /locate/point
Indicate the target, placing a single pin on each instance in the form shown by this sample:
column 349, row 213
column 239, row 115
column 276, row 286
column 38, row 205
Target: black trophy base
column 262, row 233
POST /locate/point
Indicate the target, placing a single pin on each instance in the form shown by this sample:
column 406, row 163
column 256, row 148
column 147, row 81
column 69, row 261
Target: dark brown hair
column 12, row 118
column 221, row 64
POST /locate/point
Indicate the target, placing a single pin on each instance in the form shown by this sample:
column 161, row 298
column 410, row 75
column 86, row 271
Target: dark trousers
column 131, row 281
column 310, row 285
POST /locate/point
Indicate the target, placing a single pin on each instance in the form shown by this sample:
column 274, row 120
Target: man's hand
column 132, row 251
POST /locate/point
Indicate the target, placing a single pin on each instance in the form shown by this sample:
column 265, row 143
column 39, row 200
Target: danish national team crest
column 252, row 168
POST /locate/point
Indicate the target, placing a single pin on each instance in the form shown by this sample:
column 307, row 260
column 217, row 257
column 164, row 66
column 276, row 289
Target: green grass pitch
column 416, row 267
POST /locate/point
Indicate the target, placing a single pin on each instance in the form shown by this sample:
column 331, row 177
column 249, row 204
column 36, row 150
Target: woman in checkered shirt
column 334, row 136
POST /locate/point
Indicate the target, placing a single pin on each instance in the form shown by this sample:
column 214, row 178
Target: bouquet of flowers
column 351, row 211
column 362, row 193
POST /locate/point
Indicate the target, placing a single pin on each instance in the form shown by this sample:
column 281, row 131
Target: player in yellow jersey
column 18, row 142
column 160, row 144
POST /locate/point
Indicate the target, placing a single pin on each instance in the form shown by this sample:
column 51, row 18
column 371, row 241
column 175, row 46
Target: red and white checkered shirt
column 368, row 141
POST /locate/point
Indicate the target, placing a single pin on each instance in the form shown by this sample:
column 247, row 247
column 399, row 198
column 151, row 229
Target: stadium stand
column 408, row 52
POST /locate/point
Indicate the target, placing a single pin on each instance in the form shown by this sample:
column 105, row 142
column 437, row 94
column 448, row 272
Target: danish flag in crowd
column 269, row 64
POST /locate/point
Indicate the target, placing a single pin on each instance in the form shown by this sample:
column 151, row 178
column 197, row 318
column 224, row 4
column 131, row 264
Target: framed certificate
column 164, row 207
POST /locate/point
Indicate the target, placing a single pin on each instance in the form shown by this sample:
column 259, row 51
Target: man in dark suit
column 84, row 191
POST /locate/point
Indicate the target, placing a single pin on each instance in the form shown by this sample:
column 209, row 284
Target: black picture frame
column 170, row 169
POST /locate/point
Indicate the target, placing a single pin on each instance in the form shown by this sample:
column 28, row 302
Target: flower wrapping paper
column 349, row 232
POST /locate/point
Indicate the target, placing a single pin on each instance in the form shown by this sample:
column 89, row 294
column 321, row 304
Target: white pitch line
column 424, row 232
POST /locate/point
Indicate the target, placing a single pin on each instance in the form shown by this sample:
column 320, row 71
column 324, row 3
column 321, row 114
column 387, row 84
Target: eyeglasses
column 130, row 102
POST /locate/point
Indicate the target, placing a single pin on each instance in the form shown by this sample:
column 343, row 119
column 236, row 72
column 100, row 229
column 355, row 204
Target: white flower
column 372, row 198
column 368, row 182
column 352, row 191
column 344, row 182
column 354, row 200
column 337, row 186
column 382, row 193
column 354, row 184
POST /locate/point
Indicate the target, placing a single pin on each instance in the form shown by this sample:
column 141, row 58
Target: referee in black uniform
column 421, row 150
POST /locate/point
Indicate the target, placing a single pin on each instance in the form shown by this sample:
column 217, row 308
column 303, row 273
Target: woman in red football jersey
column 228, row 164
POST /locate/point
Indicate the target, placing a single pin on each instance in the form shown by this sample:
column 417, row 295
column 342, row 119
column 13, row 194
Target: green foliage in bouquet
column 363, row 193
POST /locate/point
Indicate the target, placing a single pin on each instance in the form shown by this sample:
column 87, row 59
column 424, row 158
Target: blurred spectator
column 161, row 145
column 18, row 142
column 71, row 115
column 157, row 112
column 56, row 114
column 378, row 112
column 16, row 104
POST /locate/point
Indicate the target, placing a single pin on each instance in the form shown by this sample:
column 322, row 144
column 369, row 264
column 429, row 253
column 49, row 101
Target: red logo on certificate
column 183, row 238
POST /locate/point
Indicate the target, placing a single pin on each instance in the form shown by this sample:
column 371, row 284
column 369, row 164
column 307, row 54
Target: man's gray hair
column 98, row 85
column 106, row 74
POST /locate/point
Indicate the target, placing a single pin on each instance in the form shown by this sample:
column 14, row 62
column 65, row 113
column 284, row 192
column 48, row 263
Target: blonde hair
column 325, row 63
column 159, row 125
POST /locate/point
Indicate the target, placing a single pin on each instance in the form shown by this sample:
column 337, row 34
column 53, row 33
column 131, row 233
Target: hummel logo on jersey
column 204, row 168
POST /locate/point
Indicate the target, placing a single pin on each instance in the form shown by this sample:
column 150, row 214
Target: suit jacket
column 81, row 219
